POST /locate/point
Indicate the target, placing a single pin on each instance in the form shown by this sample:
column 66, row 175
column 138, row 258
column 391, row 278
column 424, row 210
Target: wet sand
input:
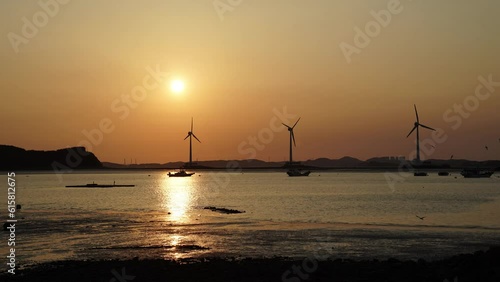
column 480, row 266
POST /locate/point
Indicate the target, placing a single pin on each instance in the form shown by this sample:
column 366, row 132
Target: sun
column 177, row 86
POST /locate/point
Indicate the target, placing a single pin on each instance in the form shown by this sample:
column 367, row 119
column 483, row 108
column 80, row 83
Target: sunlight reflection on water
column 177, row 197
column 354, row 213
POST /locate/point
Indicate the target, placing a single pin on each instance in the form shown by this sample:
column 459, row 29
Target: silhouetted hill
column 143, row 166
column 342, row 162
column 14, row 158
column 252, row 163
column 323, row 163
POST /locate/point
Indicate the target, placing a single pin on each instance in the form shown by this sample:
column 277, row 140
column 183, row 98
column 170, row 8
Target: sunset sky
column 239, row 64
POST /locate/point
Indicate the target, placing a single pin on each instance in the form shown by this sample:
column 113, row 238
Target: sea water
column 332, row 214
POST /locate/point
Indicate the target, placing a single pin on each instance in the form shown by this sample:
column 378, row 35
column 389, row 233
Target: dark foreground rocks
column 480, row 266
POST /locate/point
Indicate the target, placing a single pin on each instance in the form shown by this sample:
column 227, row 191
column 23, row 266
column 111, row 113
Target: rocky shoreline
column 480, row 266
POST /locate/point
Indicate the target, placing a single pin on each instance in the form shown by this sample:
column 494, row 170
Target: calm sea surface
column 349, row 215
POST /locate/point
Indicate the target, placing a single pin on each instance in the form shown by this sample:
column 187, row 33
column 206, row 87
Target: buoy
column 18, row 207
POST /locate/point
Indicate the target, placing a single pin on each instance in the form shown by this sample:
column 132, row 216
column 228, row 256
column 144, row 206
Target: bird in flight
column 486, row 147
column 420, row 217
column 451, row 157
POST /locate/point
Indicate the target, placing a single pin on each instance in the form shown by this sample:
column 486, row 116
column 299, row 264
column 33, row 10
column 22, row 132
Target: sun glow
column 177, row 86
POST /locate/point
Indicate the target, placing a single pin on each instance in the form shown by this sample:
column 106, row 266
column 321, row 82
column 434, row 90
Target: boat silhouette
column 297, row 172
column 180, row 173
column 476, row 173
column 95, row 185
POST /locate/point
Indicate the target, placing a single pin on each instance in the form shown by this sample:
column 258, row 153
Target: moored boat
column 443, row 173
column 296, row 172
column 476, row 173
column 180, row 173
column 95, row 185
column 420, row 173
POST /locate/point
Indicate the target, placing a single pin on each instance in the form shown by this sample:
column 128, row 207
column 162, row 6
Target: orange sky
column 240, row 64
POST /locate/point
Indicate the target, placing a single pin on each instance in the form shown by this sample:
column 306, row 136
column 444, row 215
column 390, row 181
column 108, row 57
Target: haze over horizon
column 240, row 68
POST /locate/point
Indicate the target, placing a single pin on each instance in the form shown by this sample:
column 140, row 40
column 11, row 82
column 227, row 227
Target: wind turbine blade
column 296, row 123
column 286, row 125
column 416, row 113
column 293, row 138
column 187, row 136
column 196, row 138
column 191, row 124
column 426, row 127
column 411, row 131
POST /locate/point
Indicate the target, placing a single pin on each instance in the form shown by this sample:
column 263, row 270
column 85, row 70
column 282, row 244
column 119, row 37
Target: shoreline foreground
column 480, row 266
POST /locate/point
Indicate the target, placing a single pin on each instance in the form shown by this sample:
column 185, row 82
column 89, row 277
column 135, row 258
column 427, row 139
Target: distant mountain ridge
column 251, row 163
column 342, row 162
column 14, row 158
column 320, row 163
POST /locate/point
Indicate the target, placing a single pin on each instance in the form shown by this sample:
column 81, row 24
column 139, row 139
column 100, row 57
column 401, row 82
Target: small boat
column 95, row 185
column 420, row 173
column 476, row 173
column 296, row 172
column 180, row 173
column 443, row 173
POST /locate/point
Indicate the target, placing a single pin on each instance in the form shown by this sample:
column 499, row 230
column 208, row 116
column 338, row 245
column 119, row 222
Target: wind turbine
column 416, row 125
column 191, row 134
column 292, row 137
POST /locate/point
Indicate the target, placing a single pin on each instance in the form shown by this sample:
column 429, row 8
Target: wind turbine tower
column 292, row 138
column 190, row 134
column 416, row 126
